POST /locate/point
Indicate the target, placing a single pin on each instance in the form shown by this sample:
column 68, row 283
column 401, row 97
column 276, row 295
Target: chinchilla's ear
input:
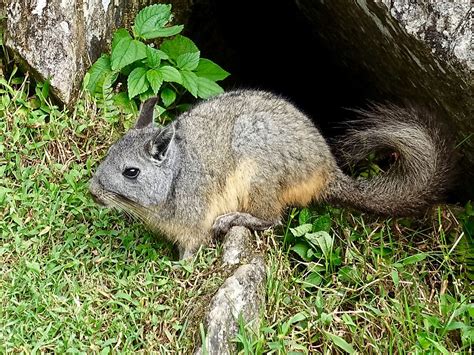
column 160, row 143
column 146, row 113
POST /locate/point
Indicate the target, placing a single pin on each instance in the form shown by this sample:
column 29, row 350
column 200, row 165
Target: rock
column 60, row 39
column 48, row 40
column 418, row 52
column 241, row 295
column 237, row 246
column 446, row 27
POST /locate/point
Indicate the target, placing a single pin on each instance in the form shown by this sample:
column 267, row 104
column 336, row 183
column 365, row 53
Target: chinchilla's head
column 138, row 173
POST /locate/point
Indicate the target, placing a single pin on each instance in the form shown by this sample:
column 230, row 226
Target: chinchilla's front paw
column 225, row 222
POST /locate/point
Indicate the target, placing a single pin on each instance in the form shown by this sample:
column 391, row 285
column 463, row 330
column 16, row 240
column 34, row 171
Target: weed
column 169, row 71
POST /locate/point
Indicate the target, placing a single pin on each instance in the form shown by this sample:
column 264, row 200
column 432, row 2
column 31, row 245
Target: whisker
column 142, row 213
column 130, row 209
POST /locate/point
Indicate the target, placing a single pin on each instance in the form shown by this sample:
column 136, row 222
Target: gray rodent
column 240, row 158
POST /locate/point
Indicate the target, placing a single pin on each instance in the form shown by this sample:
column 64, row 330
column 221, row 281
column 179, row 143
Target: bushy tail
column 421, row 174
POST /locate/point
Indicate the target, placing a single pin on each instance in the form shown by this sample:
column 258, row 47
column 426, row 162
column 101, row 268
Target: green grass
column 391, row 288
column 75, row 277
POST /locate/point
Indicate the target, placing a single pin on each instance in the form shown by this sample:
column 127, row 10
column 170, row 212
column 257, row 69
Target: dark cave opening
column 271, row 45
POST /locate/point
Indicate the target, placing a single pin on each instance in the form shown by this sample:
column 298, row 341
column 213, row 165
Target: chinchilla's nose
column 95, row 189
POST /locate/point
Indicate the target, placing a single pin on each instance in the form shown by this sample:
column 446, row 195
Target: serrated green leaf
column 165, row 32
column 154, row 57
column 301, row 230
column 97, row 72
column 304, row 216
column 322, row 240
column 313, row 279
column 322, row 223
column 152, row 16
column 137, row 82
column 340, row 342
column 151, row 21
column 188, row 61
column 155, row 79
column 106, row 94
column 126, row 52
column 207, row 88
column 120, row 34
column 168, row 96
column 190, row 82
column 170, row 74
column 210, row 70
column 302, row 250
column 177, row 46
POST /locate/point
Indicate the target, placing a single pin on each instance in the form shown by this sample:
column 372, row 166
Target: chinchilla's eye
column 161, row 157
column 131, row 173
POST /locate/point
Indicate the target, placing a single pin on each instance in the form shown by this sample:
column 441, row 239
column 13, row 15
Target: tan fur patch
column 183, row 236
column 235, row 194
column 304, row 192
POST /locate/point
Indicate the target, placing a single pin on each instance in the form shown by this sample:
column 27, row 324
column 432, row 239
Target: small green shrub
column 311, row 239
column 170, row 70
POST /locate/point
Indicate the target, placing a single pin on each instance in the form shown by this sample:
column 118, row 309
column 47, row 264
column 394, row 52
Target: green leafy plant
column 312, row 241
column 169, row 71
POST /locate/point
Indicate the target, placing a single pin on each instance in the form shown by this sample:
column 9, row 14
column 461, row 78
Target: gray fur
column 420, row 177
column 270, row 150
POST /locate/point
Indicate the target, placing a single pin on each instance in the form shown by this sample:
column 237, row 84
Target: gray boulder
column 445, row 26
column 60, row 39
